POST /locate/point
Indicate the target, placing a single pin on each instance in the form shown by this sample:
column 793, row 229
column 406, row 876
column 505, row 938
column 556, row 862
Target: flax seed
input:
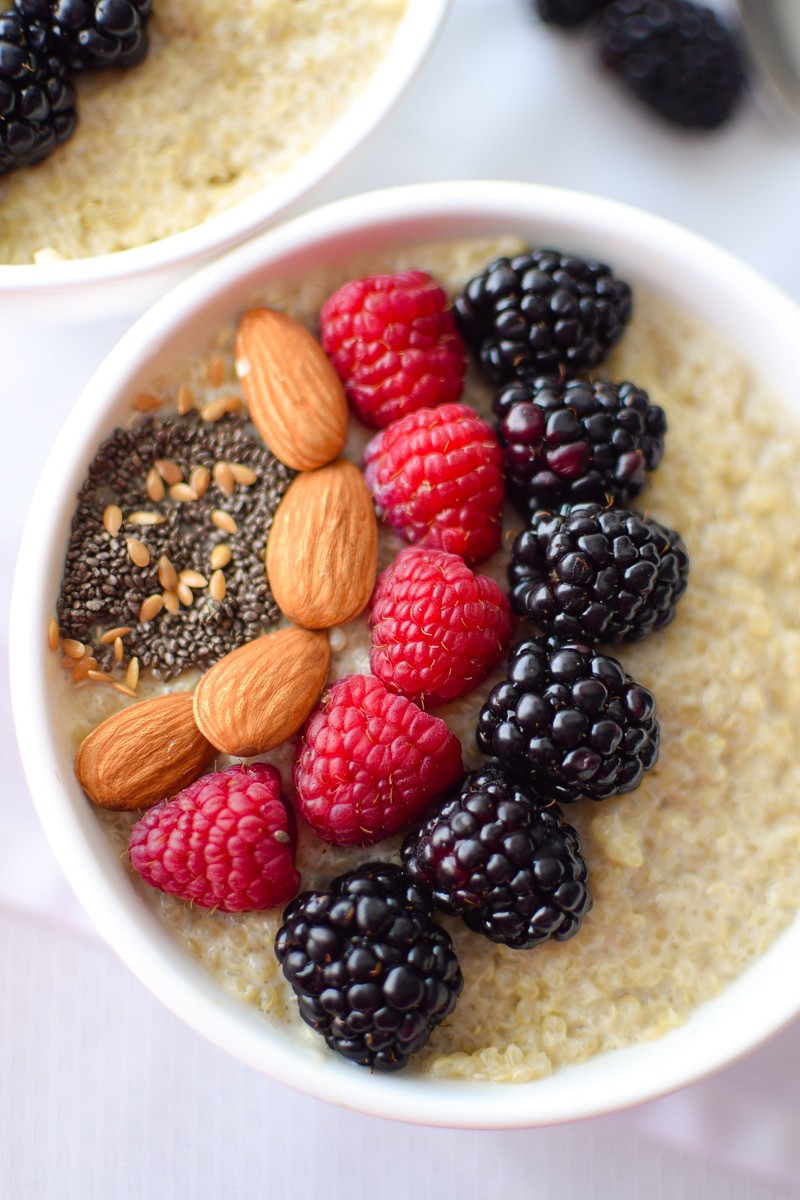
column 169, row 471
column 184, row 401
column 183, row 493
column 132, row 673
column 125, row 690
column 151, row 607
column 223, row 478
column 242, row 474
column 216, row 372
column 145, row 402
column 146, row 518
column 171, row 602
column 185, row 595
column 224, row 521
column 217, row 586
column 112, row 519
column 199, row 479
column 220, row 556
column 167, row 575
column 118, row 650
column 100, row 676
column 53, row 636
column 73, row 648
column 111, row 635
column 193, row 579
column 138, row 552
column 83, row 668
column 155, row 485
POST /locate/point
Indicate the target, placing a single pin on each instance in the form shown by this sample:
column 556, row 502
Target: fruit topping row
column 372, row 970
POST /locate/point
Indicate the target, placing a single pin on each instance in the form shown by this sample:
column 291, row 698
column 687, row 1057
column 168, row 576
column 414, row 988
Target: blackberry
column 94, row 33
column 372, row 972
column 570, row 721
column 542, row 313
column 597, row 574
column 679, row 57
column 511, row 868
column 37, row 101
column 576, row 441
column 569, row 12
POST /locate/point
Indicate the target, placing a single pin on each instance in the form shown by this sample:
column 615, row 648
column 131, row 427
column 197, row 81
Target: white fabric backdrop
column 102, row 1092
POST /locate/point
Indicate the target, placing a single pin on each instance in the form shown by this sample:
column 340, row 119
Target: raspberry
column 373, row 974
column 369, row 762
column 394, row 342
column 437, row 629
column 436, row 478
column 226, row 841
column 511, row 868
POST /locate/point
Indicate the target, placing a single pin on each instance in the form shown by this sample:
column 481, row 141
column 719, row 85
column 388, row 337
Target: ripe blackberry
column 37, row 101
column 679, row 57
column 569, row 12
column 372, row 972
column 509, row 867
column 576, row 441
column 570, row 721
column 94, row 33
column 542, row 313
column 597, row 574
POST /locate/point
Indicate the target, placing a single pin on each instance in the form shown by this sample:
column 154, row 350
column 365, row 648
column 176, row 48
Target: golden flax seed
column 138, row 552
column 112, row 519
column 224, row 521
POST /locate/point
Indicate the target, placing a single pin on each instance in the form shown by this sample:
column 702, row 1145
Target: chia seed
column 101, row 588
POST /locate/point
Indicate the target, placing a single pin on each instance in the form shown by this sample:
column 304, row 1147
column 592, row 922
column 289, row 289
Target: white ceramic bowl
column 764, row 326
column 128, row 281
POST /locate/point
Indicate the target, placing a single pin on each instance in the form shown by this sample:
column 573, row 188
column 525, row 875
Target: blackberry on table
column 94, row 33
column 679, row 57
column 542, row 313
column 373, row 974
column 597, row 574
column 570, row 721
column 569, row 12
column 37, row 101
column 577, row 441
column 511, row 868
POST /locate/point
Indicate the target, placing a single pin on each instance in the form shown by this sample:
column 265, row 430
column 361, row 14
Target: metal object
column 772, row 29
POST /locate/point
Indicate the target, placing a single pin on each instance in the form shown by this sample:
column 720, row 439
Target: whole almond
column 259, row 695
column 323, row 547
column 143, row 754
column 296, row 399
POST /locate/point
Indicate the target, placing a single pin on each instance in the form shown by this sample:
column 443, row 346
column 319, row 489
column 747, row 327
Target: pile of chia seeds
column 101, row 588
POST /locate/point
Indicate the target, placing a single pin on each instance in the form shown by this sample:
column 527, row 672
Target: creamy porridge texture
column 692, row 874
column 230, row 97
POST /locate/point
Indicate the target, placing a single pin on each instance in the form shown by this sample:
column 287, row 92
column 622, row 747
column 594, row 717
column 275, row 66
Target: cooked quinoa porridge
column 229, row 98
column 693, row 874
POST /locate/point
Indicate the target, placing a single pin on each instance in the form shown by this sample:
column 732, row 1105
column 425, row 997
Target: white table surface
column 104, row 1094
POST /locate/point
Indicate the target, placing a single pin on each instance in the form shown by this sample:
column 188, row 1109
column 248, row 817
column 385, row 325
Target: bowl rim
column 755, row 1006
column 413, row 41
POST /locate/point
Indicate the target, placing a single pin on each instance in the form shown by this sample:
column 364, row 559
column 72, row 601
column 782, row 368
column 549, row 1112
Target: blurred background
column 102, row 1092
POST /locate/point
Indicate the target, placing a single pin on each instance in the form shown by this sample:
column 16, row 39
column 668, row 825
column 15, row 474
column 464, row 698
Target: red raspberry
column 369, row 762
column 394, row 342
column 437, row 629
column 436, row 478
column 224, row 842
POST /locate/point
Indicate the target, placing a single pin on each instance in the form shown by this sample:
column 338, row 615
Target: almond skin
column 143, row 754
column 322, row 551
column 296, row 399
column 259, row 695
